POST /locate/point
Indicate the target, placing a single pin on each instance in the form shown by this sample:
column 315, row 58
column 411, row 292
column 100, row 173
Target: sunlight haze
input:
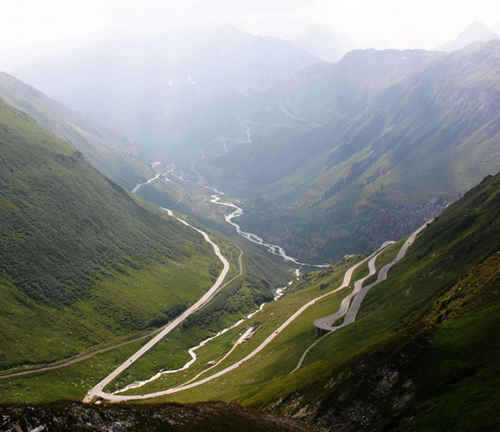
column 28, row 28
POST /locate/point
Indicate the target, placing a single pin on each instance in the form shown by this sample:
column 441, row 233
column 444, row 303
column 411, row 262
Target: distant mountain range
column 476, row 32
column 167, row 93
column 371, row 147
column 324, row 43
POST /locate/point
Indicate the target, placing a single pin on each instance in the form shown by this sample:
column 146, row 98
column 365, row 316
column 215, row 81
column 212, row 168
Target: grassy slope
column 432, row 323
column 259, row 280
column 115, row 306
column 277, row 359
column 74, row 381
column 424, row 342
column 81, row 261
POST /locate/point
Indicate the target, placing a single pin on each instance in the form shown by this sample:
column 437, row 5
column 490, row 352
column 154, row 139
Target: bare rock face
column 72, row 416
column 369, row 394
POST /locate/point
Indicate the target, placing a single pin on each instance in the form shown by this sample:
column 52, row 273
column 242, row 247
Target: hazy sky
column 31, row 27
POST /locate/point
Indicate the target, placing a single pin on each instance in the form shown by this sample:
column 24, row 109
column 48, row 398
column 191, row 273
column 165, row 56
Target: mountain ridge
column 416, row 146
column 108, row 152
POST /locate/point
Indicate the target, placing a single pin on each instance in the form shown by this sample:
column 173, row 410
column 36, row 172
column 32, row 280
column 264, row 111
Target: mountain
column 324, row 43
column 104, row 149
column 476, row 32
column 81, row 261
column 422, row 353
column 325, row 91
column 169, row 92
column 377, row 157
column 301, row 118
column 329, row 159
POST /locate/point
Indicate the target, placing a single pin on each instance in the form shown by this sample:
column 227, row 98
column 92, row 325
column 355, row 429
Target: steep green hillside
column 244, row 292
column 378, row 170
column 423, row 353
column 105, row 150
column 81, row 261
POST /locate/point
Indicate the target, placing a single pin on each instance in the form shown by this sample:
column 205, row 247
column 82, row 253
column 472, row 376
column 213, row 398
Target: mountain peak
column 475, row 32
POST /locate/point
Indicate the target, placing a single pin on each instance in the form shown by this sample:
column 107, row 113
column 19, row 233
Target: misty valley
column 212, row 229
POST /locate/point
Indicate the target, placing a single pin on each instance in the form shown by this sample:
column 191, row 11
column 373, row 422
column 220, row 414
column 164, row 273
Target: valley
column 209, row 228
column 97, row 390
column 349, row 311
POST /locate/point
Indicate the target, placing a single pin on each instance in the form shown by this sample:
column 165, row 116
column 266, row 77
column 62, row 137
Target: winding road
column 326, row 323
column 98, row 389
column 285, row 110
column 350, row 310
column 122, row 398
column 151, row 180
column 192, row 350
